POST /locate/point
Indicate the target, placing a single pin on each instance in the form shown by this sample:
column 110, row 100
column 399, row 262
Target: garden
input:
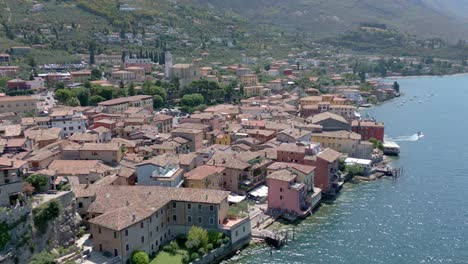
column 185, row 249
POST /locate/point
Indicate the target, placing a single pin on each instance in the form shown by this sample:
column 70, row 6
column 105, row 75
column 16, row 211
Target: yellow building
column 248, row 80
column 205, row 177
column 310, row 100
column 345, row 142
column 252, row 91
column 223, row 139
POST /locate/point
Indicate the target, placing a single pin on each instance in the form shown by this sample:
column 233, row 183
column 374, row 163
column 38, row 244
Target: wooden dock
column 271, row 238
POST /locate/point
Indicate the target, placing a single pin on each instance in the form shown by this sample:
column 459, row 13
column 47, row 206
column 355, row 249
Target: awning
column 235, row 198
column 261, row 191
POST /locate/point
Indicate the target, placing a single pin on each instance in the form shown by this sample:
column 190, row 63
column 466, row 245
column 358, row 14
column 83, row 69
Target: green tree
column 140, row 257
column 158, row 101
column 43, row 258
column 354, row 170
column 73, row 102
column 198, row 234
column 131, row 89
column 192, row 100
column 377, row 143
column 83, row 96
column 106, row 92
column 96, row 74
column 37, row 181
column 5, row 236
column 63, row 95
column 95, row 99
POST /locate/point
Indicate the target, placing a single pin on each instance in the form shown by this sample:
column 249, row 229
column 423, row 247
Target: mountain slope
column 330, row 16
column 456, row 7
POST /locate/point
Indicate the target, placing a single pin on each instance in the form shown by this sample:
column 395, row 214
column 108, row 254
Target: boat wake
column 414, row 137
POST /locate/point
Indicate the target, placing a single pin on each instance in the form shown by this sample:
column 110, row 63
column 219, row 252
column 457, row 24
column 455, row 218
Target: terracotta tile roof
column 202, row 172
column 327, row 115
column 100, row 147
column 85, row 137
column 306, row 169
column 343, row 134
column 125, row 100
column 329, row 155
column 124, row 206
column 282, row 175
column 9, row 164
column 228, row 160
column 44, row 134
column 291, row 148
column 78, row 167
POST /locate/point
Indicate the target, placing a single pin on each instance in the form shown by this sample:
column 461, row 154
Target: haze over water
column 422, row 217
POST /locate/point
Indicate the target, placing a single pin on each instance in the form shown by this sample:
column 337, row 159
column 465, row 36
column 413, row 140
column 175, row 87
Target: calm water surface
column 422, row 217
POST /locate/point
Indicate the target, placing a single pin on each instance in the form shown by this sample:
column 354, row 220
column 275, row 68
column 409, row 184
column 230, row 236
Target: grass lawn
column 166, row 258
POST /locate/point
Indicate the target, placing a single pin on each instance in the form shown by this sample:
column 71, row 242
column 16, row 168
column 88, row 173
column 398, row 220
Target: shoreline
column 416, row 76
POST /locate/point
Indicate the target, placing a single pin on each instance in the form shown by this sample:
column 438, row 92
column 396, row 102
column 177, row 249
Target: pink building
column 326, row 168
column 286, row 194
column 291, row 153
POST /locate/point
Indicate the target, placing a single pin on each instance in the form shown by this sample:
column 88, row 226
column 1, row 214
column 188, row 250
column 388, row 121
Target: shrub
column 185, row 257
column 201, row 251
column 140, row 257
column 5, row 236
column 43, row 258
column 46, row 212
column 213, row 236
column 37, row 181
column 198, row 234
column 219, row 242
column 226, row 240
column 194, row 256
column 209, row 247
column 171, row 248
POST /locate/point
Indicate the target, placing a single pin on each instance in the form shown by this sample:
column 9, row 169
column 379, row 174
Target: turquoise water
column 422, row 217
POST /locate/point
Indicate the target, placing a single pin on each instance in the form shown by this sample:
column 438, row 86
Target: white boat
column 391, row 148
column 420, row 102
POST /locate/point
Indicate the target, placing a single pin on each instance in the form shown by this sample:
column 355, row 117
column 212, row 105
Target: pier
column 271, row 238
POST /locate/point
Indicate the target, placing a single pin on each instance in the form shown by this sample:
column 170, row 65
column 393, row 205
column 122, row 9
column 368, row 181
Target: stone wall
column 222, row 252
column 26, row 241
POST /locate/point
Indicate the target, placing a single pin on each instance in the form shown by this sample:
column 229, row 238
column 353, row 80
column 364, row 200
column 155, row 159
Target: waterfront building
column 346, row 142
column 369, row 129
column 123, row 219
column 286, row 194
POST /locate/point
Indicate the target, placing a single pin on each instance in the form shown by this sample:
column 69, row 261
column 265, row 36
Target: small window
column 200, row 220
column 142, row 225
column 80, row 205
column 99, row 230
column 174, row 205
column 189, row 206
column 211, row 221
column 142, row 239
column 211, row 208
column 126, row 232
column 115, row 234
column 281, row 197
column 281, row 189
column 174, row 218
column 127, row 247
column 189, row 219
column 199, row 207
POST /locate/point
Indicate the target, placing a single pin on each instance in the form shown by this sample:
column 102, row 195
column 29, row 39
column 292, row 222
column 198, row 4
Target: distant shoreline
column 416, row 76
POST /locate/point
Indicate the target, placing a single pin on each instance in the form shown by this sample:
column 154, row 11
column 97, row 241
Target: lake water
column 422, row 217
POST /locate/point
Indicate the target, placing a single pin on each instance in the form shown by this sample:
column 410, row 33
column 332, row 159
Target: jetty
column 273, row 239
